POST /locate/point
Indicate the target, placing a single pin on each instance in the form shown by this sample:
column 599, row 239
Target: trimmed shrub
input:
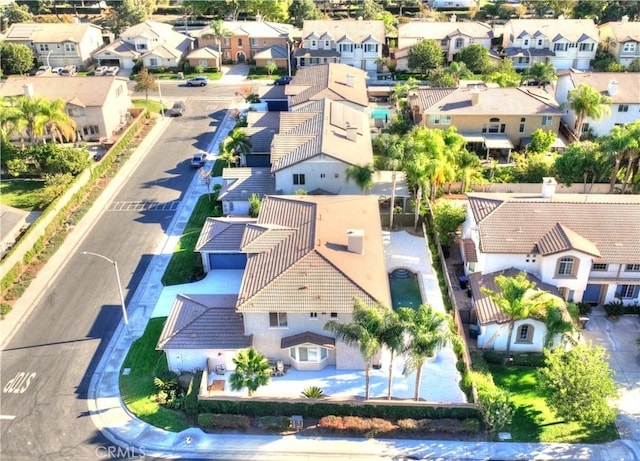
column 191, row 398
column 493, row 357
column 368, row 426
column 274, row 423
column 529, row 360
column 408, row 424
column 215, row 421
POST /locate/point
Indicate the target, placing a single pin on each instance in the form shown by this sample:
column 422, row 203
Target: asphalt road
column 48, row 364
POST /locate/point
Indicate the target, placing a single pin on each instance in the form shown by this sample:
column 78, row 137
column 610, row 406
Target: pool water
column 380, row 113
column 405, row 291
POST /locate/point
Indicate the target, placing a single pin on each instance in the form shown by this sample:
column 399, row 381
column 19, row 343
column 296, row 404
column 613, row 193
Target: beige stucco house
column 622, row 39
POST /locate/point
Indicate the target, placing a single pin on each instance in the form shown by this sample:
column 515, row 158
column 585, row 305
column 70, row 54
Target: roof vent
column 355, row 241
column 351, row 80
column 613, row 87
column 28, row 89
column 548, row 187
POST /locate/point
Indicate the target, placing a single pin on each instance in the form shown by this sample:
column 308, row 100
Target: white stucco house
column 239, row 184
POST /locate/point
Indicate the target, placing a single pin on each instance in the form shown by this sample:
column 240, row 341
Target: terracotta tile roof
column 205, row 52
column 494, row 101
column 241, row 183
column 628, row 89
column 469, row 254
column 525, row 224
column 486, row 309
column 624, row 31
column 254, row 29
column 222, row 234
column 328, row 81
column 306, row 265
column 321, row 128
column 307, row 338
column 204, row 322
column 573, row 30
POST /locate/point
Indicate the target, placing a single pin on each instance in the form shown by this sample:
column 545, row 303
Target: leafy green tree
column 56, row 159
column 518, row 300
column 401, row 91
column 579, row 383
column 17, row 13
column 145, row 82
column 543, row 72
column 302, row 10
column 496, row 408
column 531, row 168
column 238, row 141
column 269, row 10
column 586, row 101
column 541, row 141
column 54, row 186
column 428, row 332
column 634, row 66
column 617, row 144
column 31, row 110
column 632, row 154
column 468, row 169
column 425, row 56
column 10, row 119
column 55, row 120
column 447, row 218
column 475, row 57
column 132, row 12
column 557, row 324
column 252, row 371
column 254, row 205
column 228, row 154
column 362, row 175
column 271, row 67
column 503, row 74
column 581, row 162
column 458, row 70
column 439, row 78
column 364, row 332
column 16, row 58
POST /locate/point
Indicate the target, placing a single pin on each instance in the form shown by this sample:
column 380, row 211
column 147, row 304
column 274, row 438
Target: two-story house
column 98, row 105
column 623, row 88
column 356, row 43
column 155, row 44
column 587, row 246
column 622, row 39
column 492, row 120
column 58, row 45
column 565, row 43
column 452, row 37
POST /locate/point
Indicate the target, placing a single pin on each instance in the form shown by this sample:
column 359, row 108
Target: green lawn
column 152, row 106
column 137, row 387
column 534, row 421
column 186, row 265
column 218, row 166
column 21, row 194
column 187, row 75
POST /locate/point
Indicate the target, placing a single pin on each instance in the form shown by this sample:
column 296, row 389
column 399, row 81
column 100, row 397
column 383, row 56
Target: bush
column 312, row 392
column 215, row 421
column 614, row 308
column 493, row 357
column 368, row 426
column 584, row 308
column 408, row 424
column 529, row 360
column 191, row 398
column 274, row 423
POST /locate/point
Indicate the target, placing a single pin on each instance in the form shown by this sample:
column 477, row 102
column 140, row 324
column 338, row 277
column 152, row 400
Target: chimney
column 28, row 89
column 352, row 132
column 548, row 187
column 475, row 97
column 351, row 80
column 355, row 241
column 613, row 87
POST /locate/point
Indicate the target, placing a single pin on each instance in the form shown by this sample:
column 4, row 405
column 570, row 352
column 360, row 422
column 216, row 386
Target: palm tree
column 415, row 168
column 364, row 332
column 518, row 300
column 543, row 72
column 392, row 337
column 219, row 32
column 586, row 101
column 632, row 152
column 362, row 175
column 227, row 154
column 56, row 121
column 556, row 324
column 31, row 110
column 428, row 332
column 11, row 121
column 393, row 150
column 458, row 70
column 468, row 168
column 238, row 141
column 252, row 371
column 616, row 144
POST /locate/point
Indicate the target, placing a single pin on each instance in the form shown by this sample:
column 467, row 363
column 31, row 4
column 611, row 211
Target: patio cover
column 557, row 144
column 307, row 338
column 497, row 141
column 472, row 137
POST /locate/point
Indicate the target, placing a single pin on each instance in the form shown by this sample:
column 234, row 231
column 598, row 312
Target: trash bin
column 474, row 331
column 180, row 75
column 463, row 280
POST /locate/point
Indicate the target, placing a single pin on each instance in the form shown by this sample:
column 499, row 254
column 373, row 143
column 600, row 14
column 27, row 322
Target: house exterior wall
column 235, row 207
column 188, row 360
column 109, row 118
column 250, row 45
column 153, row 61
column 494, row 336
column 625, row 51
column 205, row 63
column 313, row 169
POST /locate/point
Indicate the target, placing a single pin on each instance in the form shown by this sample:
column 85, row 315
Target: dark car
column 282, row 81
column 177, row 110
column 198, row 160
column 198, row 81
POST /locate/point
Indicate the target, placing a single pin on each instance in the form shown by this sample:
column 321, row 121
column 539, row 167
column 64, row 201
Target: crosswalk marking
column 144, row 205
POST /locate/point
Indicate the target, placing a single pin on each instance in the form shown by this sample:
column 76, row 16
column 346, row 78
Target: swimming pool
column 405, row 291
column 380, row 112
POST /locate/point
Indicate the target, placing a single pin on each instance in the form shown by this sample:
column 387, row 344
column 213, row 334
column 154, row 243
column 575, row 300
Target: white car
column 101, row 70
column 43, row 70
column 113, row 70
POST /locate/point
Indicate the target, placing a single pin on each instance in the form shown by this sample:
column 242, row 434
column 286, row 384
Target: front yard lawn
column 534, row 421
column 152, row 106
column 21, row 194
column 137, row 388
column 186, row 265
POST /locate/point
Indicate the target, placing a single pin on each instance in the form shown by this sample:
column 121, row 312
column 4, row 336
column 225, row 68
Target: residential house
column 565, row 43
column 623, row 88
column 219, row 243
column 58, row 45
column 260, row 130
column 155, row 44
column 356, row 43
column 308, row 258
column 98, row 105
column 448, row 4
column 587, row 246
column 250, row 41
column 14, row 223
column 622, row 39
column 206, row 57
column 491, row 119
column 239, row 184
column 452, row 37
column 528, row 334
column 316, row 144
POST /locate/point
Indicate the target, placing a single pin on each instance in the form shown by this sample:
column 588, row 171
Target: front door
column 592, row 294
column 241, row 57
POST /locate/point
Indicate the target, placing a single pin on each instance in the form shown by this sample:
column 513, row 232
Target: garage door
column 109, row 62
column 277, row 106
column 227, row 261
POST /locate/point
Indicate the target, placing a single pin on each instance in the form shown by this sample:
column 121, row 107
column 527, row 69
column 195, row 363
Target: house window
column 141, row 46
column 560, row 47
column 322, row 175
column 439, row 119
column 598, row 267
column 586, row 127
column 627, row 291
column 572, row 45
column 313, row 315
column 254, row 42
column 298, row 179
column 522, row 122
column 523, row 60
column 239, row 42
column 278, row 319
column 459, row 43
column 494, row 125
column 525, row 42
column 586, row 47
column 371, row 48
column 314, row 44
column 153, row 62
column 90, row 130
column 540, row 42
column 531, row 258
column 629, row 47
column 75, row 111
column 225, row 41
column 346, row 48
column 69, row 46
column 334, row 315
column 565, row 266
column 623, row 108
column 44, row 47
column 525, row 334
column 336, row 175
column 444, row 43
column 312, row 354
column 327, row 43
column 632, row 268
column 546, row 120
column 119, row 91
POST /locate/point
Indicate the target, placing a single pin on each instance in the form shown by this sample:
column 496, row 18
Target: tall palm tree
column 363, row 332
column 543, row 72
column 415, row 168
column 392, row 337
column 428, row 332
column 56, row 121
column 238, row 141
column 616, row 144
column 468, row 168
column 393, row 150
column 518, row 300
column 252, row 371
column 586, row 101
column 632, row 153
column 362, row 175
column 11, row 121
column 227, row 154
column 458, row 70
column 219, row 32
column 31, row 109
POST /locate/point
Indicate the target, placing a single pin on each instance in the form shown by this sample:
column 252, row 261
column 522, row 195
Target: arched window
column 565, row 266
column 239, row 42
column 524, row 334
column 494, row 125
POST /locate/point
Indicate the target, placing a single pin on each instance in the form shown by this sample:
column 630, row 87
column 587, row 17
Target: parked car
column 43, row 70
column 282, row 81
column 113, row 70
column 68, row 70
column 198, row 81
column 57, row 70
column 177, row 109
column 100, row 70
column 198, row 160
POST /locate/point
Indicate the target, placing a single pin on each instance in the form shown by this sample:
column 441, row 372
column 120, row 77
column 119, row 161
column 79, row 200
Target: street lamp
column 115, row 266
column 160, row 94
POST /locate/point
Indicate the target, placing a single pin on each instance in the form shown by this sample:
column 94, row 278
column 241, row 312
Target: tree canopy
column 587, row 102
column 301, row 10
column 145, row 82
column 425, row 56
column 476, row 58
column 16, row 58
